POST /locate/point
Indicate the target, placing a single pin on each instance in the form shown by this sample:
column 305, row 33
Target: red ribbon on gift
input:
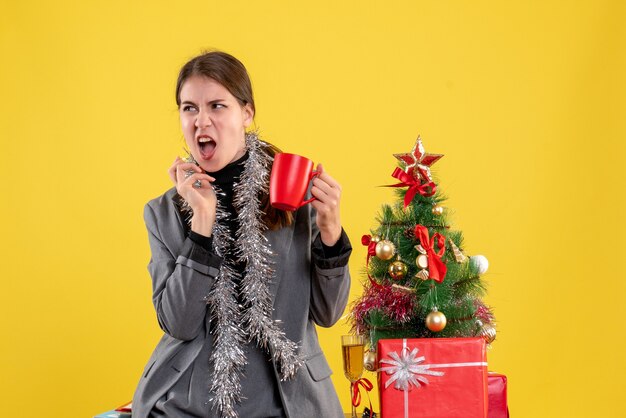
column 406, row 180
column 371, row 250
column 436, row 268
column 356, row 391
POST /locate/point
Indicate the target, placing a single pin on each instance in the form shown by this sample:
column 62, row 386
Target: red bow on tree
column 436, row 268
column 415, row 186
column 371, row 250
column 371, row 245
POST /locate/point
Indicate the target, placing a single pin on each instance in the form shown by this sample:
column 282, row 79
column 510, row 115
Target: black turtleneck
column 225, row 180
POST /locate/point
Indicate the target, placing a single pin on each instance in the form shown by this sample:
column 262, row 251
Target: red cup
column 289, row 180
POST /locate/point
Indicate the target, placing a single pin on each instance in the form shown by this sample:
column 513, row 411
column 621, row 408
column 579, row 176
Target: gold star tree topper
column 418, row 162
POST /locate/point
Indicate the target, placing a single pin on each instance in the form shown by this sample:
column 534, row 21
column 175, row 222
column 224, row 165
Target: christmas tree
column 421, row 284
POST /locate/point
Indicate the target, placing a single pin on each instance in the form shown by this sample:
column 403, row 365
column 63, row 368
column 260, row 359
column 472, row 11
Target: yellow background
column 526, row 100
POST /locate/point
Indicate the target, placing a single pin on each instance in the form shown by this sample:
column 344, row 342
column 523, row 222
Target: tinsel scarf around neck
column 243, row 313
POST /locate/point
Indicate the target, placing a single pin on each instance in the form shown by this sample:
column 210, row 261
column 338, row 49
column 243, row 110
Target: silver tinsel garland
column 253, row 249
column 232, row 324
column 227, row 356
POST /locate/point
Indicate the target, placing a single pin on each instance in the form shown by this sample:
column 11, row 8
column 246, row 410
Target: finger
column 189, row 181
column 172, row 170
column 317, row 205
column 319, row 194
column 324, row 186
column 321, row 207
column 184, row 170
column 329, row 186
column 201, row 184
column 188, row 166
column 320, row 169
column 196, row 183
column 328, row 201
column 180, row 162
column 330, row 180
column 324, row 210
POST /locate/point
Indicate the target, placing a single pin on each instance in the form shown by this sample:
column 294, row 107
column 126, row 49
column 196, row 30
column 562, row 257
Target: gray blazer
column 305, row 293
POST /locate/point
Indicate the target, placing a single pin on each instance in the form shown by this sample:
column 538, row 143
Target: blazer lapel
column 280, row 244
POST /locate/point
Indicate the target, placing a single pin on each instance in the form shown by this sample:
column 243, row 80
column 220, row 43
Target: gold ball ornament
column 369, row 361
column 375, row 238
column 437, row 210
column 488, row 332
column 385, row 249
column 436, row 321
column 397, row 270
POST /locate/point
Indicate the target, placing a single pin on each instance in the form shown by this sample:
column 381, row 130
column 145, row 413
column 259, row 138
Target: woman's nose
column 203, row 119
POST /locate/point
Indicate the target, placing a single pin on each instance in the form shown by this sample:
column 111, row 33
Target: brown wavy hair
column 232, row 74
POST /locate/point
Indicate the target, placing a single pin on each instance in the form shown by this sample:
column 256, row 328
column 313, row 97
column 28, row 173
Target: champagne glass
column 352, row 347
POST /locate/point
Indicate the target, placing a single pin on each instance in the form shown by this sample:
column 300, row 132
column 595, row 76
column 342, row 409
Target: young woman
column 238, row 285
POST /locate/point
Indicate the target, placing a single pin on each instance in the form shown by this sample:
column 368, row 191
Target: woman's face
column 213, row 122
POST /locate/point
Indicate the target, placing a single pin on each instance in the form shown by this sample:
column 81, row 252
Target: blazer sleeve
column 180, row 282
column 330, row 277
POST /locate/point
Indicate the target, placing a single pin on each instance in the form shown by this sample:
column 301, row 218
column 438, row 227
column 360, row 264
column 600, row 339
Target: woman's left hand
column 327, row 192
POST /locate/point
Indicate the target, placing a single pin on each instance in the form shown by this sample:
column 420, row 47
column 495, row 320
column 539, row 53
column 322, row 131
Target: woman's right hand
column 202, row 199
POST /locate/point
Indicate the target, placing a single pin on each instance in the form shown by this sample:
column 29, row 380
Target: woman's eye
column 218, row 105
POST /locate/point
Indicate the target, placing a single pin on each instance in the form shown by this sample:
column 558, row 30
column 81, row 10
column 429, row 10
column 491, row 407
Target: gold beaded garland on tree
column 436, row 321
column 385, row 250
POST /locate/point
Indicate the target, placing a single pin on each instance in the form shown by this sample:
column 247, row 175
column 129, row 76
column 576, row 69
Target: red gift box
column 498, row 407
column 433, row 378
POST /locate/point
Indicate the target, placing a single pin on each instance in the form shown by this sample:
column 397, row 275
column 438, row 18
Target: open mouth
column 207, row 147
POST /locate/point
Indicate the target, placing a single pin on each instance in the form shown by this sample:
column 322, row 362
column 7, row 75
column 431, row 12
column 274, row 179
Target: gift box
column 114, row 414
column 124, row 411
column 498, row 407
column 432, row 378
